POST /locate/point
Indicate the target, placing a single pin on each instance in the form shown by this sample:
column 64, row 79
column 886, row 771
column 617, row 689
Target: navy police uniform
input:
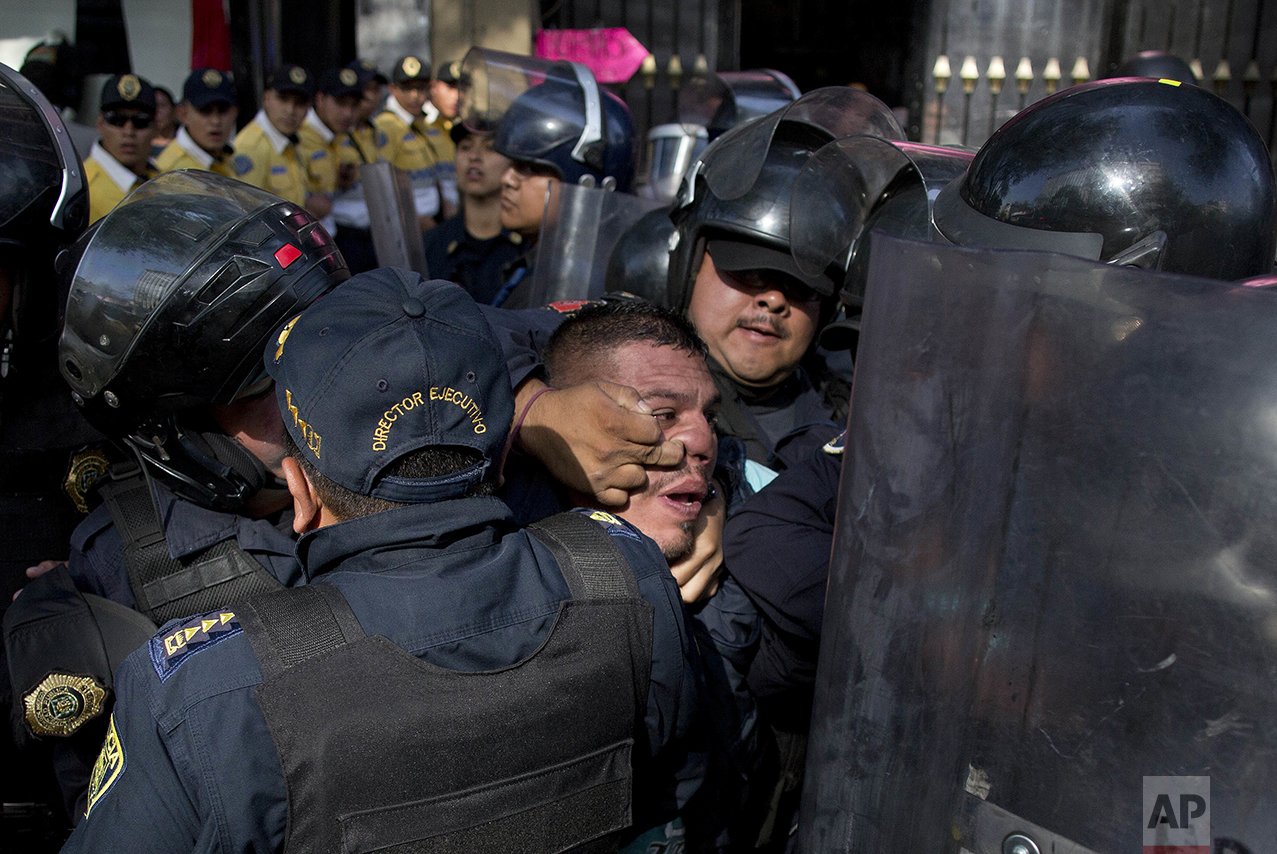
column 97, row 549
column 208, row 747
column 454, row 254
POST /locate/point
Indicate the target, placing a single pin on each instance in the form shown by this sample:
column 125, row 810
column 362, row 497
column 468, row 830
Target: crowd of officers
column 311, row 473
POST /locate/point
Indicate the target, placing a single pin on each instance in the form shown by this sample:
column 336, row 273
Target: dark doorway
column 833, row 42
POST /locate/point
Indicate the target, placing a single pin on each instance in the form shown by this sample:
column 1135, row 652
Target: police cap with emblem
column 367, row 70
column 292, row 78
column 410, row 69
column 338, row 82
column 207, row 86
column 386, row 364
column 128, row 90
column 450, row 73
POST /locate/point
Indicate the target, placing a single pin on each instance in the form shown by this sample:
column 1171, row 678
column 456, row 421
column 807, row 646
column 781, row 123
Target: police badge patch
column 87, row 466
column 107, row 769
column 62, row 703
column 242, row 163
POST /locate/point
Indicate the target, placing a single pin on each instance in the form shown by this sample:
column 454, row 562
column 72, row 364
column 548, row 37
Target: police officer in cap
column 441, row 116
column 404, row 124
column 437, row 652
column 266, row 149
column 324, row 143
column 120, row 160
column 207, row 113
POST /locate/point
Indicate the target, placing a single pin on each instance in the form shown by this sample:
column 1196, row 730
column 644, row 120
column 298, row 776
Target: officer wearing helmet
column 733, row 272
column 161, row 347
column 415, row 692
column 565, row 128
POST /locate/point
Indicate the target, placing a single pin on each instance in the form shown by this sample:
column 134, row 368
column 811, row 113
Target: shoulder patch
column 170, row 650
column 432, row 131
column 279, row 170
column 614, row 525
column 107, row 769
column 409, row 136
column 319, row 155
column 836, row 445
column 382, row 139
column 241, row 163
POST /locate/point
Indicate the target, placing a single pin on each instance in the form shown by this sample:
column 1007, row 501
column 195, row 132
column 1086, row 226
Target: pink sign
column 611, row 53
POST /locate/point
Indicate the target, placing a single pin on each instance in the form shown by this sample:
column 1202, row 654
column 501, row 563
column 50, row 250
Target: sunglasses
column 119, row 120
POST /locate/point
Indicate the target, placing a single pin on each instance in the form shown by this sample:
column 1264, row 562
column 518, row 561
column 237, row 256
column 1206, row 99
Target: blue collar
column 368, row 543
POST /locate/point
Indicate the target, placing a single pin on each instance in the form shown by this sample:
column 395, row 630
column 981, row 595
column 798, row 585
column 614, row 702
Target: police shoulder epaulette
column 242, row 163
column 171, row 649
column 614, row 525
column 836, row 445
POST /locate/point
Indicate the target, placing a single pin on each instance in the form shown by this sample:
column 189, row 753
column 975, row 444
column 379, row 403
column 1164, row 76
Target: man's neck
column 483, row 216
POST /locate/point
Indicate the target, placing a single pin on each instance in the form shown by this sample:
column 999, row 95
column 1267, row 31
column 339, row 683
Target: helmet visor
column 492, row 81
column 837, row 111
column 38, row 154
column 842, row 183
column 138, row 257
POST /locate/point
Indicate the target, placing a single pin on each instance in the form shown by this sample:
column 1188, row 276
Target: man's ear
column 307, row 505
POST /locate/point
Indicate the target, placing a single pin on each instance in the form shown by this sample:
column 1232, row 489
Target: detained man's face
column 757, row 324
column 678, row 387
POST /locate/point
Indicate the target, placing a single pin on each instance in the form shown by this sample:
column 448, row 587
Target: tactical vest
column 382, row 751
column 166, row 588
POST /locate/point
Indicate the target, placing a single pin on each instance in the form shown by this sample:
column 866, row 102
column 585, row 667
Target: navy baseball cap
column 385, row 364
column 367, row 70
column 207, row 86
column 292, row 78
column 127, row 90
column 410, row 69
column 341, row 81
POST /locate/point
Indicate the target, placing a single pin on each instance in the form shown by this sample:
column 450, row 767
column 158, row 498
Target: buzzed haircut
column 588, row 336
column 422, row 463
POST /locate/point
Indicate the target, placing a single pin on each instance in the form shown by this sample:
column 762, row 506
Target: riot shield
column 1053, row 574
column 392, row 217
column 721, row 100
column 578, row 231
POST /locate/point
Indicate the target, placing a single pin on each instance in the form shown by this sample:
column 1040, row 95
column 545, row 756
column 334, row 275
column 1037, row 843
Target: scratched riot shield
column 578, row 231
column 1054, row 573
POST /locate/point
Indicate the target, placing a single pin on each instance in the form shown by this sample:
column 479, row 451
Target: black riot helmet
column 44, row 206
column 173, row 296
column 1157, row 64
column 1147, row 173
column 550, row 113
column 741, row 187
column 640, row 260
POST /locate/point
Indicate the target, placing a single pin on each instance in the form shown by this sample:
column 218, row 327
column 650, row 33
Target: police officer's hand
column 594, row 438
column 698, row 573
column 34, row 572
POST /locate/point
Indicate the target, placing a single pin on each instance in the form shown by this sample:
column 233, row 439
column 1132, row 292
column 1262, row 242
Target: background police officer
column 266, row 149
column 207, row 113
column 404, row 124
column 120, row 159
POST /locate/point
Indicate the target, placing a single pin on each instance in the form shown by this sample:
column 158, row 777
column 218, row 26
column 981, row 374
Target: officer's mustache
column 768, row 322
